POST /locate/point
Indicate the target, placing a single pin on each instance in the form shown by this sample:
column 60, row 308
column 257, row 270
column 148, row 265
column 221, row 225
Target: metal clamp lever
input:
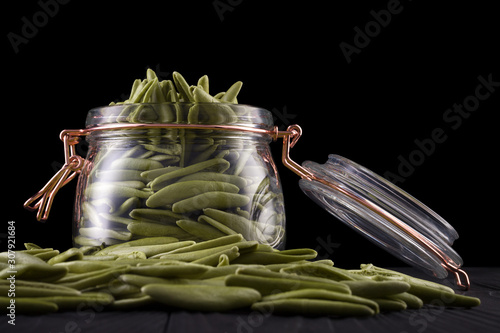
column 72, row 166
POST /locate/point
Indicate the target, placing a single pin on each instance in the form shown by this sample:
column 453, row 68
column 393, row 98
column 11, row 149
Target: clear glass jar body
column 190, row 184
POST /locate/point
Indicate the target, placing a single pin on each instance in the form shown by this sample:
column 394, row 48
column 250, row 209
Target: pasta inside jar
column 187, row 183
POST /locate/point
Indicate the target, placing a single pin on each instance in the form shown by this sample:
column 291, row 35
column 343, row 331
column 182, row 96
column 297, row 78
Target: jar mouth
column 181, row 113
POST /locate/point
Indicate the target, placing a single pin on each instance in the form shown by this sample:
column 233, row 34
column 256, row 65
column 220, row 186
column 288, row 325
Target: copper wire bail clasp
column 42, row 200
column 290, row 138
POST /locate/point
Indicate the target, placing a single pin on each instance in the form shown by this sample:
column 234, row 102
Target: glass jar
column 182, row 170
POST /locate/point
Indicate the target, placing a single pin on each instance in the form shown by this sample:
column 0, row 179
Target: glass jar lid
column 383, row 213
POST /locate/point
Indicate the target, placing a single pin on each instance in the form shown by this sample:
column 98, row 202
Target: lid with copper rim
column 385, row 214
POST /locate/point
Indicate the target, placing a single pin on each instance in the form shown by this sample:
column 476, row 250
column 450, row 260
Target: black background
column 394, row 91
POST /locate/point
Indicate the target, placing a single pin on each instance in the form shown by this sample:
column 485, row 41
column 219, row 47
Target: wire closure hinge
column 43, row 199
column 290, row 138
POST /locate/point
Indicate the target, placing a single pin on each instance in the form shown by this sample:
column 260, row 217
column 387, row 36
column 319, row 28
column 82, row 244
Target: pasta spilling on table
column 219, row 275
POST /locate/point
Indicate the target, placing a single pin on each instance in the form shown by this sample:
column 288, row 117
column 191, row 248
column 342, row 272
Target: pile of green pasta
column 223, row 274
